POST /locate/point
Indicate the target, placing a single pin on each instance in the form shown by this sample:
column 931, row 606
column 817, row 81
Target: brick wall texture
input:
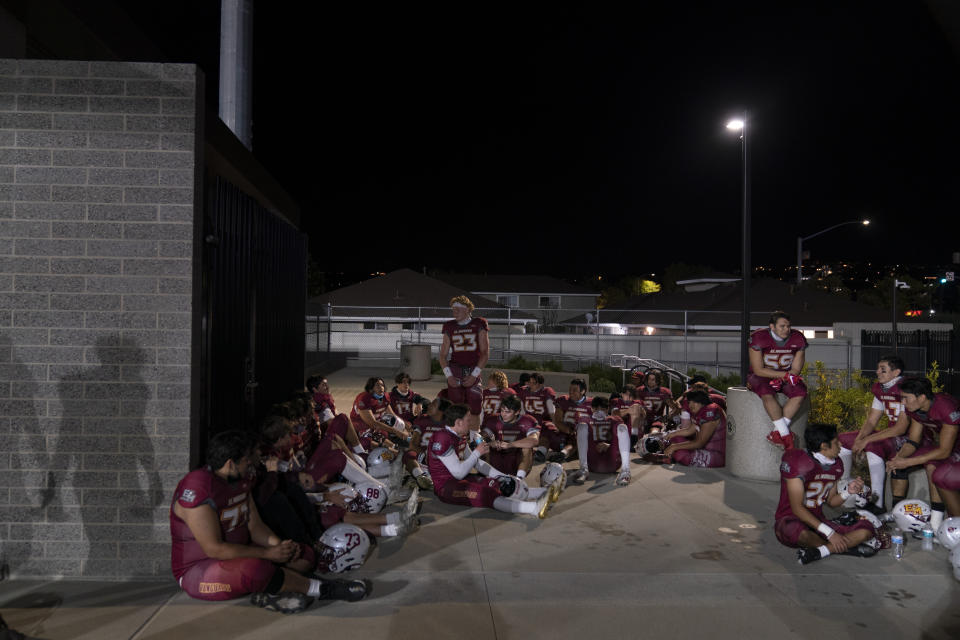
column 98, row 165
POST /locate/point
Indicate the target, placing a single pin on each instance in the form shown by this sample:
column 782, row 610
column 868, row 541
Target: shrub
column 832, row 401
column 601, row 372
column 721, row 383
column 602, row 385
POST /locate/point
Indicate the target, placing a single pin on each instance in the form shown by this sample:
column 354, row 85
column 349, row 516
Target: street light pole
column 745, row 268
column 800, row 242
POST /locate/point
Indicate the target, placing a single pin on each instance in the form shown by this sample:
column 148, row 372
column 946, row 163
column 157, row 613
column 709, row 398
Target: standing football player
column 808, row 479
column 776, row 359
column 883, row 445
column 931, row 440
column 464, row 352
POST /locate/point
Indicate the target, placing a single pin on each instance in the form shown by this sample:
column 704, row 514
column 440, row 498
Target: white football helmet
column 378, row 462
column 652, row 444
column 513, row 487
column 342, row 547
column 949, row 533
column 553, row 473
column 388, row 419
column 911, row 514
column 371, row 497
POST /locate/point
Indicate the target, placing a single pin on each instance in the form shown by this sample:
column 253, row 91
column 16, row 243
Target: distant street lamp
column 801, row 240
column 741, row 126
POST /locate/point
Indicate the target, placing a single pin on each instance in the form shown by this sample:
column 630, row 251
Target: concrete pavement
column 678, row 552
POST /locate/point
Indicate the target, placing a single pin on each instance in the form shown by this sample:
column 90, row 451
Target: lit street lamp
column 741, row 126
column 800, row 244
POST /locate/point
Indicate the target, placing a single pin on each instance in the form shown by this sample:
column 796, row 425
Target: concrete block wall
column 99, row 171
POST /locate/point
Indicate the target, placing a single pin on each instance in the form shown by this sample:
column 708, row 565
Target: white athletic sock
column 521, row 473
column 314, row 589
column 782, row 426
column 582, row 444
column 535, row 492
column 846, row 457
column 936, row 518
column 393, row 517
column 787, row 420
column 878, row 475
column 824, row 552
column 360, row 450
column 417, row 471
column 389, row 531
column 509, row 505
column 354, row 474
column 623, row 439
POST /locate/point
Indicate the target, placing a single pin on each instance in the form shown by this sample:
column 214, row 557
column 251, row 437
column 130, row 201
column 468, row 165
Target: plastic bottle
column 896, row 548
column 927, row 544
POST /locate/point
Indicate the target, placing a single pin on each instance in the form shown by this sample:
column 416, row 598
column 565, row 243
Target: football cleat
column 580, row 476
column 558, row 456
column 349, row 590
column 284, row 602
column 777, row 440
column 862, row 550
column 539, row 457
column 808, row 555
column 554, row 492
column 543, row 503
column 623, row 478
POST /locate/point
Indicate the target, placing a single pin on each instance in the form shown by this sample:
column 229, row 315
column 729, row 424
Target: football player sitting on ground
column 808, row 479
column 539, row 402
column 521, row 383
column 453, row 483
column 603, row 442
column 403, row 400
column 572, row 409
column 657, row 401
column 880, row 446
column 374, row 419
column 323, row 401
column 496, row 390
column 776, row 359
column 933, row 419
column 512, row 437
column 629, row 409
column 464, row 352
column 222, row 550
column 704, row 442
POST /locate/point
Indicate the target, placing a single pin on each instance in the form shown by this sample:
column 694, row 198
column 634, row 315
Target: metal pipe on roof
column 236, row 68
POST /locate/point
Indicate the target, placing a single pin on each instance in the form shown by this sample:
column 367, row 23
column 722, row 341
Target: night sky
column 565, row 141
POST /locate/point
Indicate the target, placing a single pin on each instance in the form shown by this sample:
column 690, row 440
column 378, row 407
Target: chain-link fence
column 574, row 338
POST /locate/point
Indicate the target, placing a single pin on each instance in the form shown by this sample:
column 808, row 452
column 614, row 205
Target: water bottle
column 896, row 549
column 927, row 544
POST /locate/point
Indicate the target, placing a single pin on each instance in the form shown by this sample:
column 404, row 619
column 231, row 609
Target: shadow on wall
column 101, row 469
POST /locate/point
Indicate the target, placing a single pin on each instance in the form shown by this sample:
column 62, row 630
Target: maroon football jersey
column 517, row 387
column 574, row 412
column 818, row 479
column 427, row 427
column 621, row 404
column 366, row 400
column 465, row 341
column 603, row 430
column 945, row 409
column 323, row 401
column 229, row 501
column 777, row 354
column 492, row 399
column 523, row 426
column 536, row 403
column 711, row 413
column 715, row 398
column 654, row 401
column 442, row 443
column 890, row 399
column 402, row 404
